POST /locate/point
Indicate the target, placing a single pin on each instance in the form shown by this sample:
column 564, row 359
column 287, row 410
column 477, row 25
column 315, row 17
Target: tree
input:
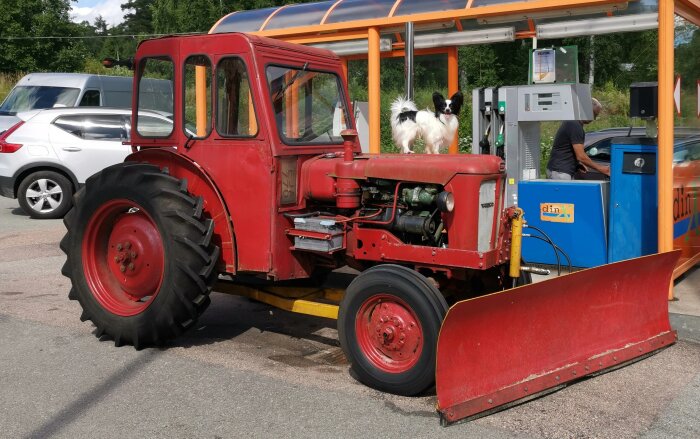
column 30, row 21
column 139, row 19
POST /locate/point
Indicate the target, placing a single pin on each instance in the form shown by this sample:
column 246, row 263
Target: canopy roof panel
column 305, row 14
column 417, row 7
column 351, row 10
column 334, row 12
column 243, row 21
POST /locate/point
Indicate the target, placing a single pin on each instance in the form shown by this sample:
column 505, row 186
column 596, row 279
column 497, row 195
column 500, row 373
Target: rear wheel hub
column 123, row 257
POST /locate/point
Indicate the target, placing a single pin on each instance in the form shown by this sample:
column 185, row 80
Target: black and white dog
column 437, row 129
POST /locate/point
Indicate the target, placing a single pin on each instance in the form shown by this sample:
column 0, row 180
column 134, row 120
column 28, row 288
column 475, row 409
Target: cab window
column 308, row 105
column 156, row 93
column 197, row 96
column 235, row 112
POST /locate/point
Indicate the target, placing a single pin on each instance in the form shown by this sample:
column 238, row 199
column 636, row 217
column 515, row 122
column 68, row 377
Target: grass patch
column 7, row 81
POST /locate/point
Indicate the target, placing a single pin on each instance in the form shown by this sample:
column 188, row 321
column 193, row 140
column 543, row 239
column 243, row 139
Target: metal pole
column 408, row 50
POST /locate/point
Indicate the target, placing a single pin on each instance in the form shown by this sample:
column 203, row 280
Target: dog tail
column 401, row 105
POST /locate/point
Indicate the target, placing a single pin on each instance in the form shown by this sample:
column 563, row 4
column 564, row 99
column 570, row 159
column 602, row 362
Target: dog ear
column 438, row 99
column 457, row 101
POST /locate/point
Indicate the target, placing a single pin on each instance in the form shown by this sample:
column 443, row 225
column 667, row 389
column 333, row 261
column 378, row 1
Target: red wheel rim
column 389, row 333
column 123, row 257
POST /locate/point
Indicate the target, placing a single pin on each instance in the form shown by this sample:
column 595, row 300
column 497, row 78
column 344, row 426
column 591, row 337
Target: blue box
column 572, row 213
column 633, row 198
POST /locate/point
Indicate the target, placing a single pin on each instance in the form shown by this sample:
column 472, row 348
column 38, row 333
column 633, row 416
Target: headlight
column 446, row 201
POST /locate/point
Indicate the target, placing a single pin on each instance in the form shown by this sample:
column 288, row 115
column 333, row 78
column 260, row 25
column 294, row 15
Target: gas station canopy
column 356, row 13
column 374, row 29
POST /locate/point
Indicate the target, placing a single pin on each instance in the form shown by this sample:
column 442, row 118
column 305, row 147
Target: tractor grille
column 487, row 207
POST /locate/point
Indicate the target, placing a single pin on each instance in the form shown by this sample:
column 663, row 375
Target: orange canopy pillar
column 666, row 111
column 453, row 85
column 201, row 100
column 373, row 87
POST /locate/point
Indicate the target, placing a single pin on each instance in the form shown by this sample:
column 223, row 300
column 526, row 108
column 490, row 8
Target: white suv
column 49, row 154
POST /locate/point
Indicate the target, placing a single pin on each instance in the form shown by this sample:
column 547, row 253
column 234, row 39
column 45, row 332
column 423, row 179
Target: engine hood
column 425, row 168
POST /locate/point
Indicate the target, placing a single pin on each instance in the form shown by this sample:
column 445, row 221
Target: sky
column 88, row 10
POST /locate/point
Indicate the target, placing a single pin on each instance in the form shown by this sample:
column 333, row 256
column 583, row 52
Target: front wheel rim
column 44, row 195
column 123, row 257
column 389, row 333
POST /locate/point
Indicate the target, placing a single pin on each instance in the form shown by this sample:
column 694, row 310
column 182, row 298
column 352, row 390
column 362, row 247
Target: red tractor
column 258, row 174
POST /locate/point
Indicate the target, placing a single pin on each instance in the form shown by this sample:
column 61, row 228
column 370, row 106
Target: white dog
column 437, row 129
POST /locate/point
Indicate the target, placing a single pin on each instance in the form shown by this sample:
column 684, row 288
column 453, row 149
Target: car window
column 686, row 152
column 104, row 127
column 108, row 127
column 91, row 98
column 27, row 98
column 600, row 151
column 150, row 126
column 694, row 151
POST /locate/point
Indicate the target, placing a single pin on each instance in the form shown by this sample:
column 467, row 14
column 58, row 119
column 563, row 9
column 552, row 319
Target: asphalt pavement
column 249, row 370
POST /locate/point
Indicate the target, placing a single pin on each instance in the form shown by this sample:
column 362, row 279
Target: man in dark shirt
column 567, row 149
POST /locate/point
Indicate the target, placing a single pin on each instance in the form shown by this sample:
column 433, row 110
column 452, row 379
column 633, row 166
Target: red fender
column 200, row 184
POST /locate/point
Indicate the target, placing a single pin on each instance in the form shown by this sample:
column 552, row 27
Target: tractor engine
column 410, row 211
column 432, row 211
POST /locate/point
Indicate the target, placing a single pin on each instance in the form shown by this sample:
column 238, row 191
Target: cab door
column 220, row 121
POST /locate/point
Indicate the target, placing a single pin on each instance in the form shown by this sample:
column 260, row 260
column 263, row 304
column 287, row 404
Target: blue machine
column 597, row 222
column 633, row 198
column 572, row 213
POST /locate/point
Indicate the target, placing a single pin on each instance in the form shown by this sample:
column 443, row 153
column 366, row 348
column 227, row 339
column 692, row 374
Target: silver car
column 48, row 154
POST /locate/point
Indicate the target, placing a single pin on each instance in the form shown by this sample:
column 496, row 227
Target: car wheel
column 45, row 195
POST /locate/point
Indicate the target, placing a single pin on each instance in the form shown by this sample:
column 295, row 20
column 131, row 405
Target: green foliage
column 7, row 81
column 38, row 18
column 139, row 16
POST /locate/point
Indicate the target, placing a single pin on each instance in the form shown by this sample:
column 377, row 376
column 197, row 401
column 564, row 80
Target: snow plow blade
column 505, row 348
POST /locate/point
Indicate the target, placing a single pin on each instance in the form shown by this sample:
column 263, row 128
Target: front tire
column 45, row 195
column 140, row 254
column 388, row 325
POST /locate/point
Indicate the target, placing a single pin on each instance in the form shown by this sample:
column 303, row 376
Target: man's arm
column 582, row 157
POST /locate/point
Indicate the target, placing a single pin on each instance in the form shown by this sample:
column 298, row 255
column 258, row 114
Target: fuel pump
column 507, row 123
column 488, row 124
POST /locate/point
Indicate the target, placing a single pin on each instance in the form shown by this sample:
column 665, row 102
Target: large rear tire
column 388, row 325
column 140, row 254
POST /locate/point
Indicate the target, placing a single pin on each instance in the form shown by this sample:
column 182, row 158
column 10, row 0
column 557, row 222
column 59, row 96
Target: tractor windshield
column 309, row 105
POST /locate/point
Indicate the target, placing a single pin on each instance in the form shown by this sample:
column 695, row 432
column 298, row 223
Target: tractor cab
column 248, row 112
column 299, row 106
